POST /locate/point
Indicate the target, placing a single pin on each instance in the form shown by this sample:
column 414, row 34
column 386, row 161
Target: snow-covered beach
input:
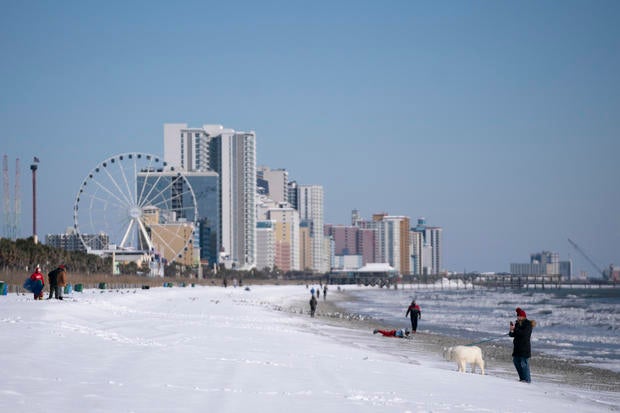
column 224, row 350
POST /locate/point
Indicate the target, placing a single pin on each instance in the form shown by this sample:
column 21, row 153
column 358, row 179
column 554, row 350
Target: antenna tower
column 12, row 217
column 17, row 212
column 6, row 197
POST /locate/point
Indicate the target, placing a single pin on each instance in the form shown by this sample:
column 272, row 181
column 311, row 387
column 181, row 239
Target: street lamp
column 33, row 168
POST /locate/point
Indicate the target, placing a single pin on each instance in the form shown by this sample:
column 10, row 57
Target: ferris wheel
column 133, row 202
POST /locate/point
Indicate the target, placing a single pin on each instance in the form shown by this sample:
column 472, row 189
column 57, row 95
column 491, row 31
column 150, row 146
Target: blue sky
column 497, row 121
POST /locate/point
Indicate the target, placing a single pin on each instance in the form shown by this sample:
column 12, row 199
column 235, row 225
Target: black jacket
column 522, row 334
column 53, row 276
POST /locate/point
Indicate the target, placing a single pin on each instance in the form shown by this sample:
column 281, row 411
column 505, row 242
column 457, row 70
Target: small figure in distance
column 313, row 303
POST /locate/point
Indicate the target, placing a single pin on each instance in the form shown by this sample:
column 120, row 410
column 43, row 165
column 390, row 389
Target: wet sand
column 497, row 355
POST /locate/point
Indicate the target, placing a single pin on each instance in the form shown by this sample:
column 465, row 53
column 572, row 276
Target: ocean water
column 579, row 324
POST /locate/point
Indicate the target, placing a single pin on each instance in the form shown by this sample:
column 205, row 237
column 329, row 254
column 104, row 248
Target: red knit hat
column 521, row 313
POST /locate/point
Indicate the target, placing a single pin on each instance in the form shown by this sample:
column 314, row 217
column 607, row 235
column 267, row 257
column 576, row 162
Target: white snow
column 226, row 350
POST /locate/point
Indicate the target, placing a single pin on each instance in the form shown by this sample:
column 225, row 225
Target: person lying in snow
column 400, row 333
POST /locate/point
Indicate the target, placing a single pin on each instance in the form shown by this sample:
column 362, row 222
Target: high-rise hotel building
column 310, row 207
column 427, row 249
column 392, row 242
column 232, row 155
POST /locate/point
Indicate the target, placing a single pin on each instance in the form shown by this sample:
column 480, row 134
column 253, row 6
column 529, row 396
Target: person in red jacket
column 416, row 313
column 38, row 282
column 400, row 333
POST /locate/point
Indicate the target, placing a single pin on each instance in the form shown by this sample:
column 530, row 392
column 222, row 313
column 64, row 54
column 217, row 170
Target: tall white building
column 232, row 155
column 393, row 241
column 310, row 207
column 416, row 244
column 430, row 261
column 186, row 148
column 266, row 244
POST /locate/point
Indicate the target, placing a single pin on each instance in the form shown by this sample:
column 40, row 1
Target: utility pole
column 33, row 168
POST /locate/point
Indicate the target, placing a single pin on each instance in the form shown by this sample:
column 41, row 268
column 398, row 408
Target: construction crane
column 601, row 272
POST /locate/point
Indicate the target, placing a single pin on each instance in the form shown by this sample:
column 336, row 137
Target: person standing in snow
column 61, row 281
column 416, row 313
column 38, row 282
column 52, row 277
column 521, row 330
column 313, row 303
column 325, row 292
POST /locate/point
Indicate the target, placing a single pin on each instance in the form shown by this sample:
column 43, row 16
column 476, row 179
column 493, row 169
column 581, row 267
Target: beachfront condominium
column 232, row 155
column 265, row 245
column 393, row 241
column 287, row 238
column 310, row 207
column 352, row 241
column 426, row 254
column 186, row 148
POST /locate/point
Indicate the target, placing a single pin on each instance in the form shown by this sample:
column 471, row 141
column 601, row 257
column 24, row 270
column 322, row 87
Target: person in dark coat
column 416, row 313
column 313, row 303
column 52, row 276
column 57, row 280
column 521, row 330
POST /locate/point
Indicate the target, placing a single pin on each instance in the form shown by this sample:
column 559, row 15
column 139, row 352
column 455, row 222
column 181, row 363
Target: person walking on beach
column 37, row 283
column 416, row 313
column 521, row 330
column 400, row 333
column 313, row 303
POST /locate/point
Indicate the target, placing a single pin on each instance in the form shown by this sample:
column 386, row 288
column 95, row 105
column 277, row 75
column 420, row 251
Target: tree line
column 24, row 255
column 21, row 256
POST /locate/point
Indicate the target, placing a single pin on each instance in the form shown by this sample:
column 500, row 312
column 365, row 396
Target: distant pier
column 471, row 281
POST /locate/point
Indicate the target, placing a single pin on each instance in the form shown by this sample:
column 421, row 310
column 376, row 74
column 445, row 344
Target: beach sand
column 497, row 355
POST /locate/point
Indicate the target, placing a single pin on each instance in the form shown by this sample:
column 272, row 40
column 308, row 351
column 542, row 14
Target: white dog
column 463, row 355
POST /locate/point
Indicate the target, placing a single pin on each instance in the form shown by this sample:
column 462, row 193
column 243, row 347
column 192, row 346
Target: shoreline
column 497, row 355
